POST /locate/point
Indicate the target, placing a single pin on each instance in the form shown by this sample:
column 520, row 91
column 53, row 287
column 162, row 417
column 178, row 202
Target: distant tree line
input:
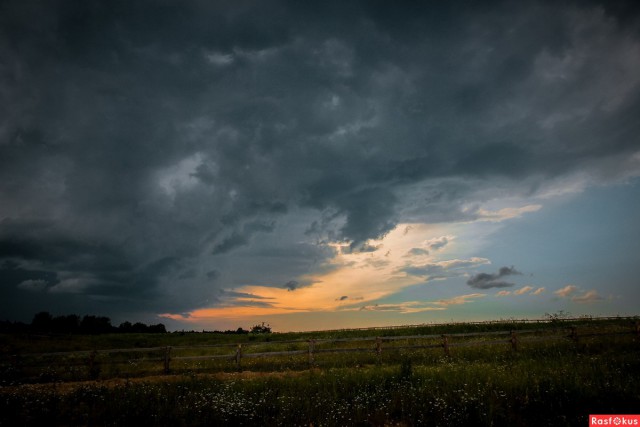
column 45, row 322
column 256, row 329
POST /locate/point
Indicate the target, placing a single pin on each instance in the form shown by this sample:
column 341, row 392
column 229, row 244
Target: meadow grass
column 22, row 343
column 549, row 386
column 35, row 359
column 557, row 382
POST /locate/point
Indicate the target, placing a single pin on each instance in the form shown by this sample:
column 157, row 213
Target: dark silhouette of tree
column 42, row 322
column 157, row 329
column 141, row 328
column 7, row 326
column 125, row 327
column 261, row 329
column 69, row 324
column 96, row 325
column 45, row 323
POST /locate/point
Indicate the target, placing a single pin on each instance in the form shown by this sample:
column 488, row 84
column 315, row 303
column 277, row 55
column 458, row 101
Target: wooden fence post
column 93, row 369
column 574, row 333
column 15, row 361
column 312, row 348
column 514, row 341
column 445, row 345
column 379, row 348
column 637, row 328
column 92, row 359
column 238, row 356
column 167, row 359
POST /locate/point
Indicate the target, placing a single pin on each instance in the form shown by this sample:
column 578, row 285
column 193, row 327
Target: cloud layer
column 488, row 281
column 153, row 154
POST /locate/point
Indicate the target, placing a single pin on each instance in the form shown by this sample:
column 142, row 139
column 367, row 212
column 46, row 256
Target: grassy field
column 545, row 382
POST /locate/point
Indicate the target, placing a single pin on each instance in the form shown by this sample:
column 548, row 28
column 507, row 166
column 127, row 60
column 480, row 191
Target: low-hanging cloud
column 566, row 291
column 291, row 285
column 488, row 281
column 438, row 243
column 587, row 297
column 523, row 290
column 443, row 269
column 33, row 285
column 415, row 252
column 572, row 293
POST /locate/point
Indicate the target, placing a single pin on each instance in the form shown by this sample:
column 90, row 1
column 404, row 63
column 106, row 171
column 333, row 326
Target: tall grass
column 544, row 383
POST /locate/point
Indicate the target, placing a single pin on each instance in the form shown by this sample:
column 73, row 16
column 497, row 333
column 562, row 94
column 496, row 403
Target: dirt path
column 71, row 386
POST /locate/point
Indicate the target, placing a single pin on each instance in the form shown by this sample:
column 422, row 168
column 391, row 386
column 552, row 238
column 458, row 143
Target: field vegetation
column 558, row 373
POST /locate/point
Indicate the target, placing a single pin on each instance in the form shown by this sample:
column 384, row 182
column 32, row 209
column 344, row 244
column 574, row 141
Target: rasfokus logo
column 614, row 420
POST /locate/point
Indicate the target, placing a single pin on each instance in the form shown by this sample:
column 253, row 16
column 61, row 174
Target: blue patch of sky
column 590, row 239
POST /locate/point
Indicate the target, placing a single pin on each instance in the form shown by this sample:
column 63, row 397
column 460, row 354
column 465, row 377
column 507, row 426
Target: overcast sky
column 321, row 164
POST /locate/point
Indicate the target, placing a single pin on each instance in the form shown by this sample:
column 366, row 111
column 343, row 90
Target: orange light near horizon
column 357, row 280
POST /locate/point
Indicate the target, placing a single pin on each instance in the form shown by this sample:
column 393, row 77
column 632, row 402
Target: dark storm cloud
column 237, row 239
column 291, row 285
column 144, row 144
column 229, row 243
column 488, row 281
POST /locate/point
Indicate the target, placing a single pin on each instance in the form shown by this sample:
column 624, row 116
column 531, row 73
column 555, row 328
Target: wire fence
column 298, row 353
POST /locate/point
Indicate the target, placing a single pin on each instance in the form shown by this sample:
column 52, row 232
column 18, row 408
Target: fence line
column 387, row 338
column 512, row 337
column 550, row 319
